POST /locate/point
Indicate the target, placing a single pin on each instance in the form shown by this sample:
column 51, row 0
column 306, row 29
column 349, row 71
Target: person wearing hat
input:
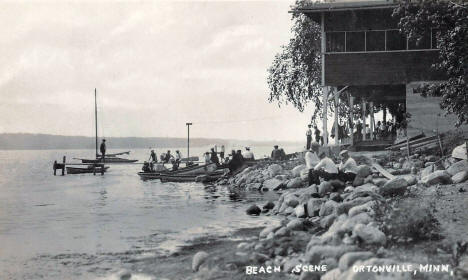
column 347, row 168
column 312, row 160
column 248, row 155
column 103, row 149
column 276, row 153
column 325, row 169
column 309, row 136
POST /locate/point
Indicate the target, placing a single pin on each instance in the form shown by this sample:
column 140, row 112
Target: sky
column 156, row 65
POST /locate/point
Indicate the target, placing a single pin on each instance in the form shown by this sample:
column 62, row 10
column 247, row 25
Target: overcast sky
column 156, row 65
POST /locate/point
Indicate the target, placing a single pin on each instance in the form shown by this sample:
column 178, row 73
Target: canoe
column 193, row 170
column 109, row 160
column 83, row 170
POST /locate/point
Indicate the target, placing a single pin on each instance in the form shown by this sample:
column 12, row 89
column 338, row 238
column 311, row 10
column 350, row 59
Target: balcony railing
column 387, row 40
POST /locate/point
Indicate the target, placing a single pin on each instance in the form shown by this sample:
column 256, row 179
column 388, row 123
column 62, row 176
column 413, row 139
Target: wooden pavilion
column 368, row 64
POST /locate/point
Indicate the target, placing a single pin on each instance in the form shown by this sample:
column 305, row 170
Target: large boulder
column 300, row 211
column 395, row 186
column 296, row 224
column 317, row 253
column 269, row 205
column 364, row 208
column 410, row 179
column 437, row 177
column 327, row 208
column 350, row 222
column 343, row 208
column 460, row 177
column 369, row 234
column 274, row 170
column 296, row 171
column 327, row 221
column 348, row 259
column 324, row 188
column 294, row 183
column 313, row 206
column 198, row 259
column 253, row 210
column 427, row 170
column 363, row 171
column 273, row 184
column 367, row 187
column 358, row 181
column 457, row 167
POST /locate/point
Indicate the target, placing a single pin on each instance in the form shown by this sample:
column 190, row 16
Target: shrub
column 408, row 220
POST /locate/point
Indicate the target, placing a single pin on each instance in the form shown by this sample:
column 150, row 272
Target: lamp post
column 188, row 140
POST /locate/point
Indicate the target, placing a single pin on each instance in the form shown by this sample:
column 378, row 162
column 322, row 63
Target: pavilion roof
column 318, row 7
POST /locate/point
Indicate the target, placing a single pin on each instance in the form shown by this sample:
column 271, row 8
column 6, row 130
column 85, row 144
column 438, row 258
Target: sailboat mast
column 95, row 119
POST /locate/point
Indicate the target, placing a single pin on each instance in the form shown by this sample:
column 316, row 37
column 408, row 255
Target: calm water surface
column 87, row 227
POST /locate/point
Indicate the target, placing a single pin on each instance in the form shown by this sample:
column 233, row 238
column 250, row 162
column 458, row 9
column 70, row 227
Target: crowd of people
column 319, row 165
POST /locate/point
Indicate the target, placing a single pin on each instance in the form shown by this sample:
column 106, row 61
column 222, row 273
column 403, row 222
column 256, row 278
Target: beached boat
column 207, row 178
column 193, row 170
column 88, row 169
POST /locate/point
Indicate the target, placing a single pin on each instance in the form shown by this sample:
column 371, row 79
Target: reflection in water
column 85, row 225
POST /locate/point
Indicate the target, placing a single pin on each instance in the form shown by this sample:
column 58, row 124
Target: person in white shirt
column 348, row 167
column 248, row 155
column 325, row 169
column 178, row 157
column 312, row 160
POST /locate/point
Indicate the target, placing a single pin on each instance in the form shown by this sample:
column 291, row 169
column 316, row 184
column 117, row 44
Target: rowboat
column 88, row 169
column 193, row 170
column 207, row 178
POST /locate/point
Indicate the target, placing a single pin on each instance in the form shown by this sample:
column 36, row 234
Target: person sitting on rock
column 348, row 167
column 325, row 169
column 312, row 160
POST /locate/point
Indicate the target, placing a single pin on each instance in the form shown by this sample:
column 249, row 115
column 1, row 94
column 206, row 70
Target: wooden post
column 364, row 134
column 102, row 169
column 440, row 144
column 55, row 168
column 371, row 108
column 324, row 116
column 385, row 114
column 94, row 169
column 408, row 147
column 351, row 115
column 63, row 167
column 337, row 104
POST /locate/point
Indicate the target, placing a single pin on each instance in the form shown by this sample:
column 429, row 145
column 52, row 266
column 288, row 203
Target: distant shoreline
column 29, row 141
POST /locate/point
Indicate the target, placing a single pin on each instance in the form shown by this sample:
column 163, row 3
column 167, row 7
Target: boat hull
column 109, row 160
column 187, row 171
column 84, row 170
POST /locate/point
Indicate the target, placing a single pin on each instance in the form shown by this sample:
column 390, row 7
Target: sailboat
column 109, row 158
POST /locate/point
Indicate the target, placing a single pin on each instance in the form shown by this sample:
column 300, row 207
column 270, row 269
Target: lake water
column 87, row 227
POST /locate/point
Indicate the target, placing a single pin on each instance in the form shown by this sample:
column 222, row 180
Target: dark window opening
column 375, row 41
column 355, row 41
column 335, row 41
column 395, row 40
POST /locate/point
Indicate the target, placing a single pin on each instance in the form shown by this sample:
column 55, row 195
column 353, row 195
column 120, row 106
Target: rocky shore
column 355, row 230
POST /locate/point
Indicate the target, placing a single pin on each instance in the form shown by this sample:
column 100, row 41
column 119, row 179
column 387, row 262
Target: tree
column 450, row 19
column 295, row 74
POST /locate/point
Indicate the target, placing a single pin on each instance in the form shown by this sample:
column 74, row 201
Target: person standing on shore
column 221, row 154
column 317, row 134
column 103, row 149
column 214, row 157
column 276, row 153
column 309, row 136
column 312, row 160
column 348, row 167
